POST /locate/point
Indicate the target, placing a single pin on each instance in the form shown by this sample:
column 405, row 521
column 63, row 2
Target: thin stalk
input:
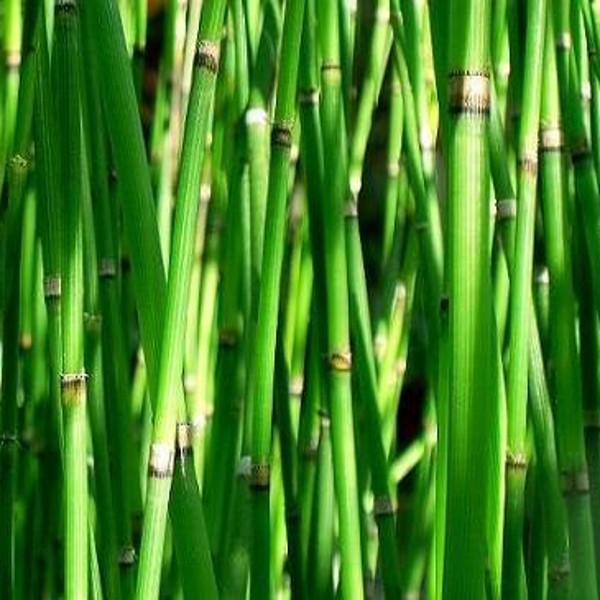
column 268, row 303
column 17, row 177
column 378, row 56
column 168, row 405
column 73, row 377
column 319, row 576
column 555, row 517
column 113, row 344
column 514, row 585
column 11, row 46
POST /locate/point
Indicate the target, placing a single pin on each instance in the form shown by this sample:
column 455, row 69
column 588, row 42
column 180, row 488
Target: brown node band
column 260, row 476
column 72, row 380
column 331, row 66
column 183, row 439
column 107, row 268
column 127, row 557
column 563, row 40
column 310, row 450
column 73, row 386
column 309, row 96
column 160, row 462
column 52, row 286
column 65, row 7
column 382, row 505
column 516, row 461
column 340, row 360
column 506, row 209
column 560, row 571
column 551, row 139
column 93, row 323
column 207, row 56
column 19, row 163
column 351, row 208
column 528, row 163
column 575, row 482
column 281, row 135
column 469, row 92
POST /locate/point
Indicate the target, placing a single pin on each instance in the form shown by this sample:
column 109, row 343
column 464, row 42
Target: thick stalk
column 470, row 298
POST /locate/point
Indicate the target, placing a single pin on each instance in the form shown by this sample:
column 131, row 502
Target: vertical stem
column 470, row 297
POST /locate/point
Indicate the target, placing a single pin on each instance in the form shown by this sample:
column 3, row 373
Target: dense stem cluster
column 299, row 299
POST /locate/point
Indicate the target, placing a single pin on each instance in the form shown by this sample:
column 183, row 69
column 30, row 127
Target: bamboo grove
column 300, row 299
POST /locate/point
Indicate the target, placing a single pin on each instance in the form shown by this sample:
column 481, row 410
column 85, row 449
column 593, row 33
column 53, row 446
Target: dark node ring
column 281, row 135
column 528, row 163
column 469, row 93
column 382, row 506
column 310, row 450
column 575, row 482
column 127, row 557
column 72, row 380
column 340, row 361
column 516, row 461
column 351, row 208
column 551, row 139
column 160, row 463
column 107, row 268
column 260, row 476
column 207, row 56
column 52, row 287
column 506, row 208
column 183, row 439
column 309, row 96
column 65, row 7
column 331, row 66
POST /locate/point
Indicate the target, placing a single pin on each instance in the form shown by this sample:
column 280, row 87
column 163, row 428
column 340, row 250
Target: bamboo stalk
column 469, row 321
